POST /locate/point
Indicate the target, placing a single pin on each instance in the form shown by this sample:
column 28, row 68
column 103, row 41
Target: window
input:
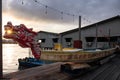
column 68, row 39
column 90, row 39
column 55, row 40
column 113, row 39
column 102, row 39
column 43, row 40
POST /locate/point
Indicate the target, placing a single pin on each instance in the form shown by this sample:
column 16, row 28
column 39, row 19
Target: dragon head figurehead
column 24, row 36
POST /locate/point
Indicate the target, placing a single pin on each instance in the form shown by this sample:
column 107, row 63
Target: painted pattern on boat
column 76, row 55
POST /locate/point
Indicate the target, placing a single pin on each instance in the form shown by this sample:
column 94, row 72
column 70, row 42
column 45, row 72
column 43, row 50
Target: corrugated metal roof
column 48, row 32
column 91, row 25
column 88, row 26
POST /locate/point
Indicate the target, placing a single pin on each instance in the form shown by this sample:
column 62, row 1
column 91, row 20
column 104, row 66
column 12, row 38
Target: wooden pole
column 96, row 35
column 109, row 39
column 60, row 37
column 79, row 28
column 1, row 72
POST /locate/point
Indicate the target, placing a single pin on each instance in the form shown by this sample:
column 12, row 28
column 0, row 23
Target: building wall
column 74, row 36
column 106, row 29
column 48, row 39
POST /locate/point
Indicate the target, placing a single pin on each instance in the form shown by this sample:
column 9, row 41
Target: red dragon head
column 24, row 36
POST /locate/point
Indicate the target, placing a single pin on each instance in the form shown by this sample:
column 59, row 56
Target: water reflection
column 8, row 53
column 11, row 53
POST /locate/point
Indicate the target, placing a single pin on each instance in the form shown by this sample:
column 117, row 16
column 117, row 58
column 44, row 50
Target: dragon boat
column 76, row 55
column 25, row 37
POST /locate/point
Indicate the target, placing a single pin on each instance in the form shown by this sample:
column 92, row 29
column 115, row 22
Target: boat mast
column 29, row 51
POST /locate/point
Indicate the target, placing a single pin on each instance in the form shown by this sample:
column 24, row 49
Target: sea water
column 11, row 53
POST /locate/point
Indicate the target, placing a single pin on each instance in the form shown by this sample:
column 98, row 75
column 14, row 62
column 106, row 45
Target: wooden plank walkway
column 108, row 71
column 46, row 72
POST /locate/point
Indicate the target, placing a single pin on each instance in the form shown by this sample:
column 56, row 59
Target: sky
column 57, row 15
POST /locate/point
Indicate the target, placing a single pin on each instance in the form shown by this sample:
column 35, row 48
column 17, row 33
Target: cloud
column 91, row 10
column 35, row 11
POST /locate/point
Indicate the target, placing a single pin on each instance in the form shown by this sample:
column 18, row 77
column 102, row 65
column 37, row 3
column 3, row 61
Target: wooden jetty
column 45, row 72
column 108, row 71
column 53, row 72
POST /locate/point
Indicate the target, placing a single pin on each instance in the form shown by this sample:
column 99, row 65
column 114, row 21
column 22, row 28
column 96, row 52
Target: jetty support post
column 1, row 71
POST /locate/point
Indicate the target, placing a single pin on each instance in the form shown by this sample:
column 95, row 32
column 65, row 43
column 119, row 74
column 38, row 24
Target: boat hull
column 76, row 56
column 27, row 64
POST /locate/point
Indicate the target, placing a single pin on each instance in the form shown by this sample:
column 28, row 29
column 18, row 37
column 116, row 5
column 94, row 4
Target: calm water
column 11, row 53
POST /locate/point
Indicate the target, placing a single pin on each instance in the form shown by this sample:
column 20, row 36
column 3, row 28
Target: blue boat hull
column 28, row 64
column 31, row 62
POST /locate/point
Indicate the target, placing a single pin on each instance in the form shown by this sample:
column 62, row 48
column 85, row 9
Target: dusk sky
column 58, row 15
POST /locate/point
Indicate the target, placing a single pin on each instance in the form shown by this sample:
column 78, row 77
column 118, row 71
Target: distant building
column 102, row 34
column 6, row 41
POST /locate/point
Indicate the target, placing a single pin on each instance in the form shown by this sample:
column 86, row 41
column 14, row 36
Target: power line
column 59, row 11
